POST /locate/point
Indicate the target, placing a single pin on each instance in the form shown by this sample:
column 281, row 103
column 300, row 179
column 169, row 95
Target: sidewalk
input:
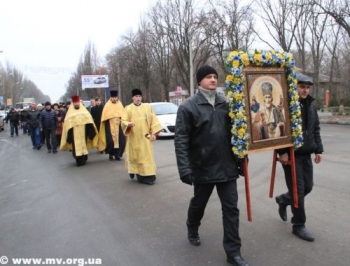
column 328, row 118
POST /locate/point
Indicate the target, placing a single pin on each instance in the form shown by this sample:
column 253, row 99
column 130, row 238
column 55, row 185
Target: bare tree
column 231, row 27
column 317, row 25
column 339, row 10
column 141, row 61
column 302, row 56
column 87, row 65
column 161, row 52
column 281, row 19
column 188, row 40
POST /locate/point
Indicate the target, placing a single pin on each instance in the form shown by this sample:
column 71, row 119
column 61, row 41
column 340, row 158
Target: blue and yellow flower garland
column 235, row 62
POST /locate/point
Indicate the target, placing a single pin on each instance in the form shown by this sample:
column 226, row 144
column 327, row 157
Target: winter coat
column 202, row 140
column 48, row 119
column 312, row 142
column 96, row 113
column 13, row 117
column 311, row 128
column 33, row 117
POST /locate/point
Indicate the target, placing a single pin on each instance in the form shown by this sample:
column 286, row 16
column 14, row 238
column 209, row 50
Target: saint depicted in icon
column 268, row 121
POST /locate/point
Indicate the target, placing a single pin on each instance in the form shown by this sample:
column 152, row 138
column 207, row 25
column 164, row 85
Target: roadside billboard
column 94, row 81
column 28, row 100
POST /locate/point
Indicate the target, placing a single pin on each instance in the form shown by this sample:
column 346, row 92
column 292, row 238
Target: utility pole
column 119, row 87
column 191, row 68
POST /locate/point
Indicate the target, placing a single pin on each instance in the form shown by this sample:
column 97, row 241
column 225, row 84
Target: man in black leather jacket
column 304, row 168
column 205, row 159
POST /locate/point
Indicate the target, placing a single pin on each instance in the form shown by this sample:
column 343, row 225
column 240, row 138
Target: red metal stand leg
column 247, row 189
column 294, row 178
column 273, row 173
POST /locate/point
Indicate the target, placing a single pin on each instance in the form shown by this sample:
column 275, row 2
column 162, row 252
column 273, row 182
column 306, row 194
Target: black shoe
column 132, row 176
column 302, row 233
column 111, row 157
column 147, row 182
column 282, row 209
column 194, row 239
column 237, row 260
column 49, row 151
column 54, row 152
column 39, row 147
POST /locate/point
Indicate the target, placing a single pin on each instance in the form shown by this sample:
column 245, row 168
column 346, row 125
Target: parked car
column 86, row 103
column 100, row 80
column 166, row 114
column 2, row 119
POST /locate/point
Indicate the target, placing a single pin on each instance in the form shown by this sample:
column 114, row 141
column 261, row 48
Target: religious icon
column 267, row 112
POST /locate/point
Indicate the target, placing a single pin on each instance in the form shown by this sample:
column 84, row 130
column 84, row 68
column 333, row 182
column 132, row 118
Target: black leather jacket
column 202, row 140
column 312, row 142
column 33, row 117
column 311, row 128
column 13, row 117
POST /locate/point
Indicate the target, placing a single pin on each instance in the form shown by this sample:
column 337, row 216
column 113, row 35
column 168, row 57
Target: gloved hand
column 240, row 165
column 188, row 179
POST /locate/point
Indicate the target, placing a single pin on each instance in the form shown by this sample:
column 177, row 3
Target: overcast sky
column 46, row 38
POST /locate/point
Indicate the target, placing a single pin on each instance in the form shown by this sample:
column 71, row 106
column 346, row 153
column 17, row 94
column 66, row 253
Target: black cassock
column 117, row 153
column 89, row 133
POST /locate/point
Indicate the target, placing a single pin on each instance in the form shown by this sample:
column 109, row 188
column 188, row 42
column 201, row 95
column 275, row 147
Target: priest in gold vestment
column 141, row 131
column 111, row 137
column 79, row 132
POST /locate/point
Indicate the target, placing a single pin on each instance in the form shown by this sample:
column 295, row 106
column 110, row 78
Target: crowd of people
column 105, row 127
column 202, row 147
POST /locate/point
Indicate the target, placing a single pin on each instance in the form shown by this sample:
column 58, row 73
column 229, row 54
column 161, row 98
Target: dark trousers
column 304, row 173
column 13, row 128
column 42, row 137
column 24, row 127
column 50, row 137
column 227, row 192
column 58, row 140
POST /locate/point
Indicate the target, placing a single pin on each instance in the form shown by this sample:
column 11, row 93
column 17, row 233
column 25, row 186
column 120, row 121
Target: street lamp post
column 12, row 96
column 191, row 68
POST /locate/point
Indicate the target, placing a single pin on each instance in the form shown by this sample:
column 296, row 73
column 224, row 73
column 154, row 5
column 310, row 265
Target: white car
column 166, row 114
column 2, row 119
column 100, row 80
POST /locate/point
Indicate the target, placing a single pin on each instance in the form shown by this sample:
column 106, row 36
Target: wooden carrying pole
column 291, row 162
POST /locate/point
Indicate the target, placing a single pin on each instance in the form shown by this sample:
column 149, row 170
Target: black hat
column 136, row 92
column 304, row 79
column 47, row 103
column 113, row 93
column 204, row 71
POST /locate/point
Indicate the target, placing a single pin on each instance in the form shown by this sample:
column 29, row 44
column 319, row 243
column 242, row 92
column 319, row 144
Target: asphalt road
column 50, row 208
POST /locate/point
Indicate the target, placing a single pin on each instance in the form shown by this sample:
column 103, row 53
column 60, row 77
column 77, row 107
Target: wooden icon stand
column 291, row 162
